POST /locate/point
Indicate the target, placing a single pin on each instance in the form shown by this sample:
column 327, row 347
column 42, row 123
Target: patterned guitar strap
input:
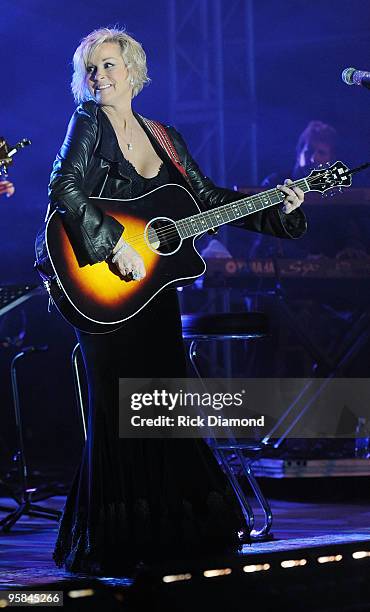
column 159, row 132
column 164, row 140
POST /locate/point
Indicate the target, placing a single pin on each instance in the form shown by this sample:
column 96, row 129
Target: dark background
column 300, row 49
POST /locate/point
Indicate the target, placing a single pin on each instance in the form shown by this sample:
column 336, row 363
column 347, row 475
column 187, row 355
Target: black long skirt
column 141, row 500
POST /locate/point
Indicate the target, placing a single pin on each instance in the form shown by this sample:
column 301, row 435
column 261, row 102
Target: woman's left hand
column 294, row 196
column 7, row 187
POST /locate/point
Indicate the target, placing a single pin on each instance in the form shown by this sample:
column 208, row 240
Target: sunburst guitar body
column 95, row 298
column 162, row 226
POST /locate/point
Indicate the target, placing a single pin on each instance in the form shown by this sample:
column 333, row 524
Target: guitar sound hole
column 163, row 237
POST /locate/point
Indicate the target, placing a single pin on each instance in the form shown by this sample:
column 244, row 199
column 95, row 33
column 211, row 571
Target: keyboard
column 14, row 295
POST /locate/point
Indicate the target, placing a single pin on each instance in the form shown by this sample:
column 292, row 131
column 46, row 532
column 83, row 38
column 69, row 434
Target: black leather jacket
column 81, row 170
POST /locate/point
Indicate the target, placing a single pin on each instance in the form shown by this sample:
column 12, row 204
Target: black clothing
column 146, row 500
column 135, row 500
column 84, row 166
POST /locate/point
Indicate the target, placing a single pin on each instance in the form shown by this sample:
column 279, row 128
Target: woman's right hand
column 128, row 261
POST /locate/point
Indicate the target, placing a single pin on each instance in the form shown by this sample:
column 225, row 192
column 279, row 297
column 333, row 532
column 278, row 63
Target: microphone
column 351, row 76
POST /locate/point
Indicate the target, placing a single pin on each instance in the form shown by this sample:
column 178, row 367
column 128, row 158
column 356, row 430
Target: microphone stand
column 25, row 499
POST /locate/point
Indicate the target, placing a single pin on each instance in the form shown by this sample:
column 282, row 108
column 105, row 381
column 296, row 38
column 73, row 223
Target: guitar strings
column 169, row 231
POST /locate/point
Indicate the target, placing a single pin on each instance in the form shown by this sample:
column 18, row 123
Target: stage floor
column 25, row 558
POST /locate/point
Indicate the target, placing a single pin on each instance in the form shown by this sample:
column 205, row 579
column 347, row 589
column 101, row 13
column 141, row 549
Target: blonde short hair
column 133, row 56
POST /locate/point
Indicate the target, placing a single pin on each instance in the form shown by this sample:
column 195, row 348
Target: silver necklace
column 130, row 146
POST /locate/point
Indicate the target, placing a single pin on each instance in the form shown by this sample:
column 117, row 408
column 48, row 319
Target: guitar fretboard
column 197, row 224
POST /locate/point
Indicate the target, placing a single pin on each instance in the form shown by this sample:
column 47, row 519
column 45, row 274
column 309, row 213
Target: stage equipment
column 227, row 326
column 7, row 152
column 338, row 278
column 351, row 76
column 291, row 467
column 96, row 299
column 241, row 273
column 286, row 279
column 244, row 326
column 25, row 501
column 12, row 296
column 314, row 576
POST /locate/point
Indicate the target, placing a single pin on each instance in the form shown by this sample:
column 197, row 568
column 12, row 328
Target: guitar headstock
column 7, row 152
column 4, row 150
column 336, row 175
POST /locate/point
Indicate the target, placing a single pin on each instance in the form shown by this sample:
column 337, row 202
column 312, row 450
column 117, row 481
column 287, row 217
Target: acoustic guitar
column 162, row 226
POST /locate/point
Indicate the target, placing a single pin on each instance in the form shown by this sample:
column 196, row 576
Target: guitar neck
column 197, row 224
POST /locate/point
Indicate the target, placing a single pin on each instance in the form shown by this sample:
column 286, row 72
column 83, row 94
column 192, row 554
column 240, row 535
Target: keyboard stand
column 325, row 366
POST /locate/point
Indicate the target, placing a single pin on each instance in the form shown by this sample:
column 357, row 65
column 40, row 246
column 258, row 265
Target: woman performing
column 136, row 500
